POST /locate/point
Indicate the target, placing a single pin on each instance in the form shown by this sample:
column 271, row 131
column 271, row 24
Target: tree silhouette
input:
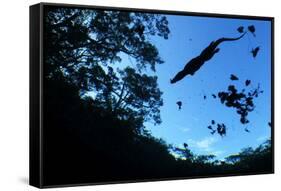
column 95, row 108
column 85, row 46
column 249, row 158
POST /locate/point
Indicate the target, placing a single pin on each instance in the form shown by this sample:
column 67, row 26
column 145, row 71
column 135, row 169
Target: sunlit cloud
column 218, row 153
column 186, row 129
column 195, row 118
column 206, row 145
column 203, row 144
column 262, row 138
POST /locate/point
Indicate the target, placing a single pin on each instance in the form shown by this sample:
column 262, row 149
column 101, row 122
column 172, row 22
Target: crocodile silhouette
column 195, row 64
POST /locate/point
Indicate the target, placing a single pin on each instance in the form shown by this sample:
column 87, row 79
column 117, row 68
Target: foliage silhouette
column 252, row 29
column 240, row 29
column 220, row 128
column 81, row 45
column 259, row 158
column 179, row 103
column 233, row 77
column 255, row 51
column 242, row 101
column 247, row 82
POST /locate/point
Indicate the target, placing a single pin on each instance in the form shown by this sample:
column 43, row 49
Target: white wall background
column 14, row 90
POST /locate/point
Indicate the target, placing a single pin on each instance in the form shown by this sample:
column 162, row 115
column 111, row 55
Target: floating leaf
column 255, row 51
column 252, row 29
column 240, row 29
column 233, row 77
column 179, row 103
column 247, row 82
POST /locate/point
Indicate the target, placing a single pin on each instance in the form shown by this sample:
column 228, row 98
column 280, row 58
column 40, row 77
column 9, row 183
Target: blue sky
column 189, row 36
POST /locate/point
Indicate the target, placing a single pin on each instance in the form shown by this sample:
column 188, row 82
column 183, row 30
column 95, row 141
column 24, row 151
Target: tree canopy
column 85, row 47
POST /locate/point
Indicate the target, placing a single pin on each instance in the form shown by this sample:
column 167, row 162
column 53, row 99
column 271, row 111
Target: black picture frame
column 36, row 175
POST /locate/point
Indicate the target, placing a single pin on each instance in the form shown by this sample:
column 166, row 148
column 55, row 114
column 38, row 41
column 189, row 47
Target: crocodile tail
column 229, row 39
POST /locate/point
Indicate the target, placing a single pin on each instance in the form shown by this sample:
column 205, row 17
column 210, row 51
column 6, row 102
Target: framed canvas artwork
column 126, row 95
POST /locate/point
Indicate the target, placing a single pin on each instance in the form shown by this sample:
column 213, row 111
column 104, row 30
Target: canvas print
column 133, row 95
